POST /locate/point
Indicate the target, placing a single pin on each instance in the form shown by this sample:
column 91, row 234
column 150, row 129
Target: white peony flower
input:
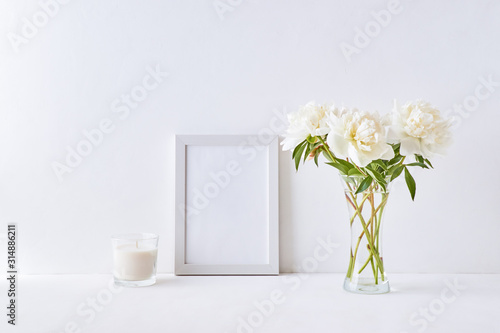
column 420, row 129
column 308, row 120
column 359, row 136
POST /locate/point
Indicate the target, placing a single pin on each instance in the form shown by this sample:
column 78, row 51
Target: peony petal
column 410, row 146
column 354, row 155
column 379, row 151
column 338, row 144
column 388, row 153
column 322, row 131
column 291, row 141
column 395, row 134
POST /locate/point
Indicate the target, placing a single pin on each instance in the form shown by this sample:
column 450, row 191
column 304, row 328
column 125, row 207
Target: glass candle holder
column 134, row 257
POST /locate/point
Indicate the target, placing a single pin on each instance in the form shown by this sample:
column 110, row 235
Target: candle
column 134, row 264
column 135, row 259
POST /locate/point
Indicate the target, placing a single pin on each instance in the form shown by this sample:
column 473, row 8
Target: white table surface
column 308, row 303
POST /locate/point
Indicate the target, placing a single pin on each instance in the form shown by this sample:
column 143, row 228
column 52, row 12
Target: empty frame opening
column 227, row 205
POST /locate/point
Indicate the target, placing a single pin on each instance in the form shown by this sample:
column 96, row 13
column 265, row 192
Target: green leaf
column 364, row 184
column 311, row 139
column 316, row 157
column 428, row 162
column 317, row 144
column 392, row 168
column 296, row 150
column 395, row 147
column 419, row 158
column 299, row 155
column 340, row 167
column 327, row 156
column 422, row 165
column 397, row 172
column 307, row 150
column 380, row 163
column 377, row 176
column 354, row 172
column 410, row 182
column 395, row 160
column 350, row 180
column 345, row 163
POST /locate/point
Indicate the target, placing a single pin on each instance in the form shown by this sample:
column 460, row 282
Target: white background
column 226, row 76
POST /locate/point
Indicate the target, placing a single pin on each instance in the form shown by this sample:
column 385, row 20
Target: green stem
column 351, row 266
column 360, row 206
column 368, row 237
column 375, row 271
column 370, row 257
column 380, row 207
column 356, row 250
column 372, row 203
column 373, row 218
column 362, row 233
column 327, row 148
column 381, row 211
column 359, row 169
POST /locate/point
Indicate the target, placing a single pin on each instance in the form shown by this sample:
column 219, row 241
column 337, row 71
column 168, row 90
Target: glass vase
column 366, row 271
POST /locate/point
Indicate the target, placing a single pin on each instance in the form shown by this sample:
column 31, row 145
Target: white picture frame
column 236, row 232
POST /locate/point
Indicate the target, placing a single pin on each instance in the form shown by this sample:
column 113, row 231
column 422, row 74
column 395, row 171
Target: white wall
column 226, row 77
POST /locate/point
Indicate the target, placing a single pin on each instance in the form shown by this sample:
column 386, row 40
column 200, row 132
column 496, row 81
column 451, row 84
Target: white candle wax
column 134, row 263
